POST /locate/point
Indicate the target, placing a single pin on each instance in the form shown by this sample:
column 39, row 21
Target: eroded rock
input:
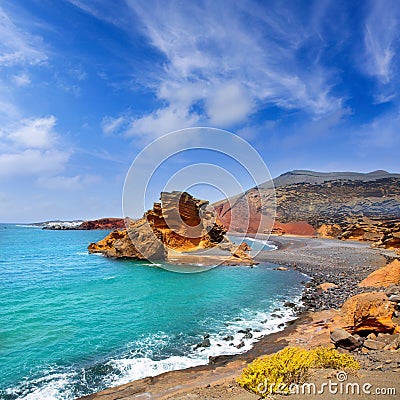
column 180, row 223
column 343, row 339
column 383, row 277
column 368, row 312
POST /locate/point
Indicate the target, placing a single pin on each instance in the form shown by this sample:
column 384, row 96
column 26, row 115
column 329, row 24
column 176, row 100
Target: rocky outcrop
column 180, row 223
column 369, row 321
column 346, row 206
column 329, row 231
column 368, row 312
column 103, row 224
column 118, row 244
column 383, row 277
column 185, row 223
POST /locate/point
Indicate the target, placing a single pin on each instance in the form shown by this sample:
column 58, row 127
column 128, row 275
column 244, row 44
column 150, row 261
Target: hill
column 347, row 205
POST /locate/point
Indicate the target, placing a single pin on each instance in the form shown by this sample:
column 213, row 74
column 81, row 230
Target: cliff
column 344, row 205
column 103, row 224
column 179, row 223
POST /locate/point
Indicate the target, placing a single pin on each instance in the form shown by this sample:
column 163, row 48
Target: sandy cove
column 342, row 262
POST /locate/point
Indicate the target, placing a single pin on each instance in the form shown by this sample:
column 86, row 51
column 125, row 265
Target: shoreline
column 322, row 260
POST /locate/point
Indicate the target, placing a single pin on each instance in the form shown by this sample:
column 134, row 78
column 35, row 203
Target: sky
column 85, row 85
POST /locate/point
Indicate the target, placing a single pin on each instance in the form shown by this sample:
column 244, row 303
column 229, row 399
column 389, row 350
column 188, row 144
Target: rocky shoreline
column 325, row 261
column 328, row 261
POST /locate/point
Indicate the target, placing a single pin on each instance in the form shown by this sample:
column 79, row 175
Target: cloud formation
column 31, row 148
column 215, row 56
column 17, row 46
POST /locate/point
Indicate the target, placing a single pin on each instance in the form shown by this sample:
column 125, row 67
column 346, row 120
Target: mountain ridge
column 308, row 176
column 347, row 205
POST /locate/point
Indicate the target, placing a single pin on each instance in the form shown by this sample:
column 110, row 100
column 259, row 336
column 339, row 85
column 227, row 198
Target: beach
column 343, row 263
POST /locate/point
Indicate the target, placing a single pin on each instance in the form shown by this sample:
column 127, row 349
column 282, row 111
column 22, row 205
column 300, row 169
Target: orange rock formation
column 383, row 277
column 367, row 312
column 180, row 223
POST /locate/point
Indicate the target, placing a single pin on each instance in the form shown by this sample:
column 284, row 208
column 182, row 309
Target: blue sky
column 84, row 85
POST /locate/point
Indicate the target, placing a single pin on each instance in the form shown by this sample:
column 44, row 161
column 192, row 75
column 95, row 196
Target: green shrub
column 276, row 372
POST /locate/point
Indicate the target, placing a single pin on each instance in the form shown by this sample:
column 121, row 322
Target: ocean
column 73, row 323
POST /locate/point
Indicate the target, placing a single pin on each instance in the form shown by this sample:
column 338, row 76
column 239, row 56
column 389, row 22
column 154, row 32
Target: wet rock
column 289, row 304
column 219, row 359
column 228, row 338
column 204, row 343
column 248, row 335
column 247, row 330
column 240, row 345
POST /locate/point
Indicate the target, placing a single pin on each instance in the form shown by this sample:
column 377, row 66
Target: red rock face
column 103, row 224
column 243, row 213
column 341, row 208
column 301, row 228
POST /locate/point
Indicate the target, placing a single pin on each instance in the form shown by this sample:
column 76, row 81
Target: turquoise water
column 73, row 323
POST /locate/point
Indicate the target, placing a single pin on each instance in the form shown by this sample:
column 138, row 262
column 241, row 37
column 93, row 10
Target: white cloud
column 35, row 133
column 199, row 47
column 161, row 122
column 381, row 134
column 229, row 104
column 21, row 79
column 111, row 125
column 32, row 162
column 69, row 183
column 31, row 147
column 381, row 38
column 18, row 47
column 211, row 51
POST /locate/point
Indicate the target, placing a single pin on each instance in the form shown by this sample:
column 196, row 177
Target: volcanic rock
column 373, row 344
column 343, row 339
column 392, row 290
column 180, row 223
column 103, row 223
column 329, row 231
column 326, row 286
column 346, row 205
column 383, row 277
column 368, row 312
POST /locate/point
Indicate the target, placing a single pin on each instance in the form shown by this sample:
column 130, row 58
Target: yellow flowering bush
column 331, row 358
column 276, row 372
